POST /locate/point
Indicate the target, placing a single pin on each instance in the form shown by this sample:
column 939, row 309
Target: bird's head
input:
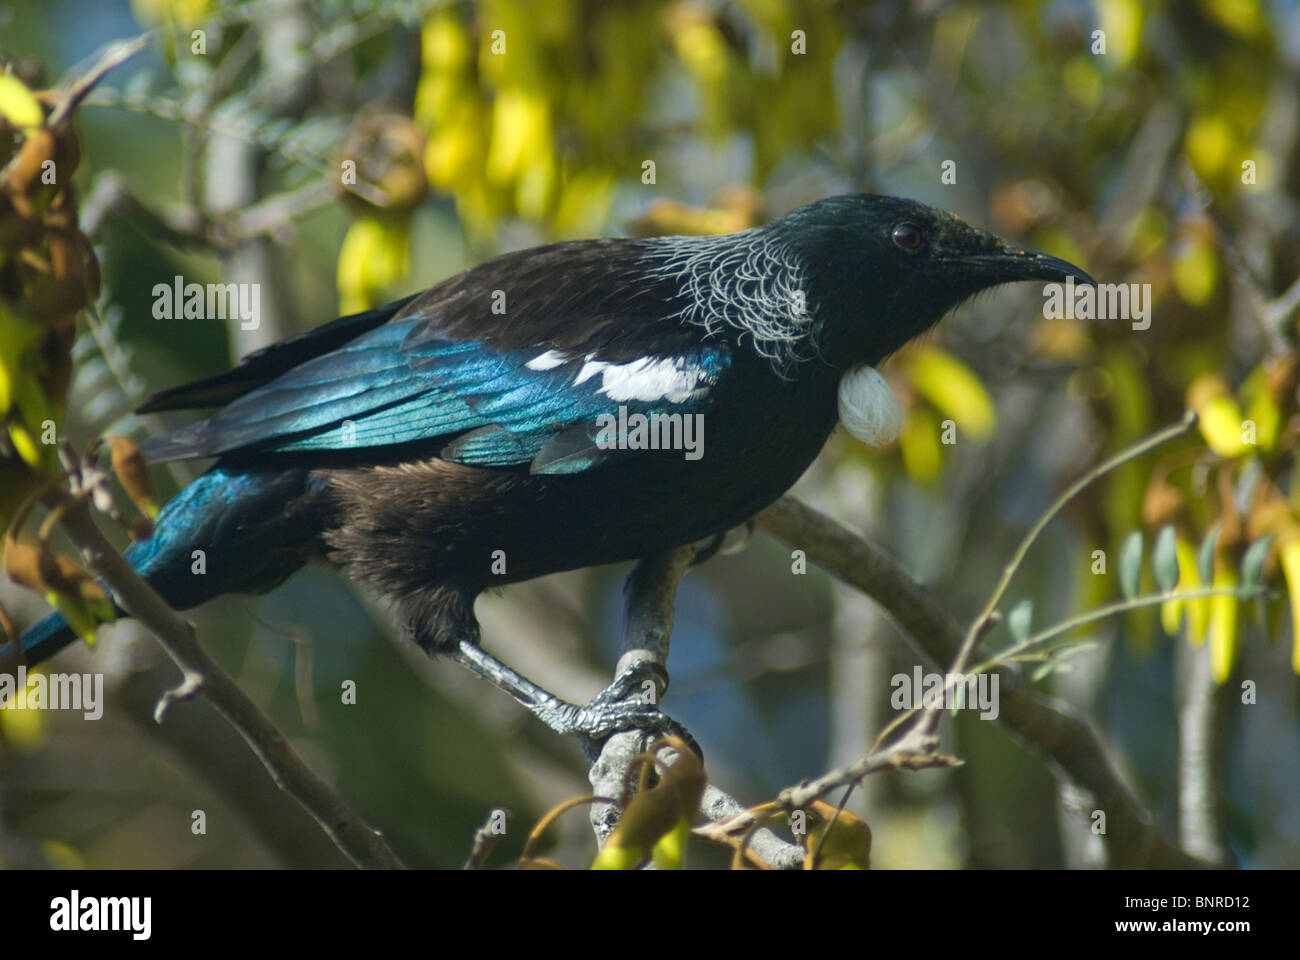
column 881, row 270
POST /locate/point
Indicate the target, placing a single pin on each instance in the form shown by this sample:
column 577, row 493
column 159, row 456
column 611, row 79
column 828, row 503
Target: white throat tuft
column 868, row 408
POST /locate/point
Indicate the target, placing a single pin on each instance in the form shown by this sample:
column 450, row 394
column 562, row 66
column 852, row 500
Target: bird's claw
column 643, row 681
column 629, row 703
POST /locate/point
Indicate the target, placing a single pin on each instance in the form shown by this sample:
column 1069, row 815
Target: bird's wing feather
column 584, row 329
column 467, row 401
column 262, row 366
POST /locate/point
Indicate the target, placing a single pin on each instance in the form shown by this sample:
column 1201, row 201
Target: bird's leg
column 717, row 544
column 650, row 595
column 613, row 709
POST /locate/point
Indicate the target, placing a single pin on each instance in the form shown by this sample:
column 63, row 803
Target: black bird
column 461, row 438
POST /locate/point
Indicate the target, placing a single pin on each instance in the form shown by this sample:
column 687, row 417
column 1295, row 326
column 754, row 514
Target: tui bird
column 459, row 439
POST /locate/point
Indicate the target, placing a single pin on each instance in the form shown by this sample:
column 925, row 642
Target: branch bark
column 1066, row 741
column 651, row 592
column 361, row 843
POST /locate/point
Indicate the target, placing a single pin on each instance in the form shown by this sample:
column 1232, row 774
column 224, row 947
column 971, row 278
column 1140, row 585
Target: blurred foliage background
column 1164, row 150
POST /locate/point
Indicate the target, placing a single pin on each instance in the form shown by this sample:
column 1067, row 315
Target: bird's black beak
column 1012, row 263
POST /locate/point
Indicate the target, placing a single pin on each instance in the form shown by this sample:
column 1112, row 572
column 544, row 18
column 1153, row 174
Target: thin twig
column 1066, row 740
column 362, row 844
column 914, row 751
column 1101, row 613
column 114, row 56
column 719, row 807
column 980, row 624
column 485, row 838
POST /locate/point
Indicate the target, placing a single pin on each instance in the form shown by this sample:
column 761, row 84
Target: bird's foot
column 629, row 703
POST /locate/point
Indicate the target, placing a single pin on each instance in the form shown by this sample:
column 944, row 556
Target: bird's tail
column 49, row 635
column 242, row 527
column 42, row 640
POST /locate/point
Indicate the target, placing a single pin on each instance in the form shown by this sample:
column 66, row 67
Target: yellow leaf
column 453, row 159
column 22, row 727
column 25, row 444
column 1122, row 21
column 182, row 12
column 1198, row 608
column 1171, row 617
column 1218, row 416
column 1221, row 423
column 919, row 443
column 61, row 856
column 670, row 852
column 16, row 335
column 374, row 255
column 17, row 105
column 953, row 389
column 656, row 813
column 1210, row 144
column 848, row 845
column 1290, row 559
column 1242, row 17
column 584, row 203
column 1225, row 623
column 445, row 44
column 535, row 188
column 1196, row 272
column 617, row 858
column 521, row 134
column 703, row 50
column 1261, row 409
column 1081, row 81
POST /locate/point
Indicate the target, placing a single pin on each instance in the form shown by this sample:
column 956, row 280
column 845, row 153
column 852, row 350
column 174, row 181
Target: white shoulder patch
column 868, row 408
column 547, row 361
column 647, row 379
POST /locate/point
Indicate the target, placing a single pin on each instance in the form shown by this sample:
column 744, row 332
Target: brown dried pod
column 23, row 564
column 75, row 581
column 16, row 231
column 24, row 171
column 1161, row 503
column 388, row 150
column 133, row 474
column 8, row 631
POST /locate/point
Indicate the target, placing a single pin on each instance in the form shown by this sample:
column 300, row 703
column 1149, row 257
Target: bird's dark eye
column 907, row 236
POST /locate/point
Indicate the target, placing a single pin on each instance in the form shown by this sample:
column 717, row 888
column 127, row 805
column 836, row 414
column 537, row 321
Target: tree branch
column 651, row 592
column 1066, row 741
column 363, row 845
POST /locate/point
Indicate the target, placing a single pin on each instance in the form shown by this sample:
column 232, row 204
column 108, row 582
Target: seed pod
column 75, row 581
column 1161, row 503
column 24, row 171
column 23, row 564
column 133, row 474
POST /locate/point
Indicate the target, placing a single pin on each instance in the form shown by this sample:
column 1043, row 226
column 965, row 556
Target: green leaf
column 1164, row 559
column 1057, row 657
column 1044, row 670
column 1130, row 564
column 1020, row 619
column 1253, row 562
column 1205, row 553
